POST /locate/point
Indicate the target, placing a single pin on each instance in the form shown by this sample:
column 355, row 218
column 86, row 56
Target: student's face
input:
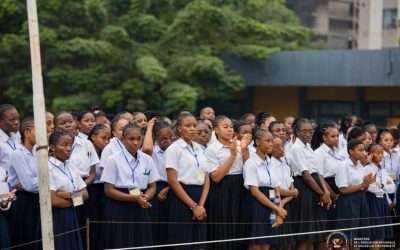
column 10, row 121
column 377, row 155
column 119, row 128
column 267, row 122
column 358, row 153
column 49, row 123
column 279, row 130
column 127, row 116
column 141, row 120
column 331, row 137
column 165, row 137
column 367, row 140
column 251, row 120
column 101, row 139
column 208, row 113
column 289, row 125
column 386, row 141
column 133, row 140
column 67, row 123
column 187, row 129
column 244, row 129
column 102, row 120
column 264, row 144
column 87, row 123
column 224, row 130
column 62, row 150
column 373, row 132
column 278, row 150
column 203, row 133
column 306, row 132
column 30, row 135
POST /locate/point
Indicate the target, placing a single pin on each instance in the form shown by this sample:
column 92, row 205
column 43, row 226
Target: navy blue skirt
column 287, row 227
column 95, row 211
column 65, row 220
column 352, row 211
column 332, row 212
column 188, row 230
column 25, row 218
column 126, row 233
column 159, row 213
column 258, row 218
column 224, row 205
column 4, row 236
column 309, row 216
column 378, row 207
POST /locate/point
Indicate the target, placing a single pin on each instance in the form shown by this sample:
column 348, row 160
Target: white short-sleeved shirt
column 8, row 144
column 4, row 188
column 217, row 154
column 342, row 146
column 83, row 156
column 383, row 182
column 64, row 177
column 125, row 171
column 189, row 162
column 257, row 173
column 24, row 169
column 391, row 162
column 280, row 169
column 349, row 174
column 302, row 158
column 115, row 145
column 328, row 160
column 159, row 161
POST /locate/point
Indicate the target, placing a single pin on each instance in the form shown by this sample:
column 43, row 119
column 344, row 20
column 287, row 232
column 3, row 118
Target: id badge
column 393, row 176
column 200, row 176
column 135, row 192
column 272, row 194
column 77, row 199
column 379, row 194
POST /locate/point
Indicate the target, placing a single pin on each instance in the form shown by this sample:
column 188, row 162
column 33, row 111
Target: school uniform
column 8, row 144
column 391, row 162
column 378, row 205
column 224, row 198
column 25, row 226
column 64, row 178
column 114, row 146
column 191, row 166
column 302, row 158
column 159, row 210
column 97, row 197
column 353, row 208
column 257, row 173
column 127, row 173
column 342, row 146
column 280, row 169
column 4, row 235
column 328, row 161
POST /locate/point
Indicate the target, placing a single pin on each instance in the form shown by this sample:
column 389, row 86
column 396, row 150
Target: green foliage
column 139, row 54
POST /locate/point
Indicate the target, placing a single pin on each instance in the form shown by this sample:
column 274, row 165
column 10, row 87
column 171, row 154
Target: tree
column 141, row 54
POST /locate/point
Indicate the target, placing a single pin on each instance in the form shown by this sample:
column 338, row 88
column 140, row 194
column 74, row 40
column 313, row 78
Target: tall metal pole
column 40, row 127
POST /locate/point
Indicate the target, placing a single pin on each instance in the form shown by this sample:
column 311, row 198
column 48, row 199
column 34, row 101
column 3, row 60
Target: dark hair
column 372, row 147
column 99, row 114
column 261, row 117
column 258, row 133
column 381, row 133
column 354, row 133
column 298, row 123
column 131, row 126
column 320, row 131
column 236, row 126
column 245, row 116
column 159, row 126
column 56, row 135
column 395, row 133
column 219, row 119
column 4, row 108
column 115, row 120
column 57, row 116
column 273, row 124
column 182, row 116
column 345, row 124
column 352, row 144
column 27, row 123
column 95, row 130
column 82, row 114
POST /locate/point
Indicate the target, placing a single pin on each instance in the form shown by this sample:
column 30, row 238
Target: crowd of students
column 148, row 180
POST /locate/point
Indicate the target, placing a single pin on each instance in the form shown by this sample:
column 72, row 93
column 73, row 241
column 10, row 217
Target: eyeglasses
column 306, row 131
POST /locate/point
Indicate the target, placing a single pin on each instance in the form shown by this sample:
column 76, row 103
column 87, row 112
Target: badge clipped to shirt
column 135, row 192
column 380, row 194
column 200, row 175
column 77, row 199
column 272, row 194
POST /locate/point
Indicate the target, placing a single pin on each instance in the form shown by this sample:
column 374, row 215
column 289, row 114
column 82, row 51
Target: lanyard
column 266, row 163
column 391, row 163
column 67, row 174
column 119, row 144
column 337, row 157
column 193, row 153
column 11, row 143
column 132, row 167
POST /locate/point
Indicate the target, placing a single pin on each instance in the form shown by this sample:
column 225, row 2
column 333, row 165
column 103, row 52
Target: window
column 389, row 19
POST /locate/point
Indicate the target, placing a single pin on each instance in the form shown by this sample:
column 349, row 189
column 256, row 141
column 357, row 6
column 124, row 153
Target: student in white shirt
column 86, row 122
column 129, row 178
column 9, row 126
column 314, row 198
column 204, row 132
column 352, row 182
column 261, row 184
column 163, row 135
column 376, row 195
column 189, row 182
column 6, row 198
column 68, row 191
column 225, row 156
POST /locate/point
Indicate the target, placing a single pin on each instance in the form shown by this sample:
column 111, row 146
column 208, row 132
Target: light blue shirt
column 257, row 173
column 24, row 169
column 7, row 145
column 159, row 161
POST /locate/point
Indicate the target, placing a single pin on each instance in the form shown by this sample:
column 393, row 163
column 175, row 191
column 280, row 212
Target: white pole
column 40, row 127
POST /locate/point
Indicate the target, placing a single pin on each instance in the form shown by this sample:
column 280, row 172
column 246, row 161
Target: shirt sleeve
column 388, row 186
column 154, row 176
column 250, row 175
column 172, row 158
column 80, row 183
column 110, row 171
column 212, row 160
column 341, row 178
column 94, row 158
column 104, row 156
column 298, row 160
column 23, row 174
column 320, row 162
column 53, row 180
